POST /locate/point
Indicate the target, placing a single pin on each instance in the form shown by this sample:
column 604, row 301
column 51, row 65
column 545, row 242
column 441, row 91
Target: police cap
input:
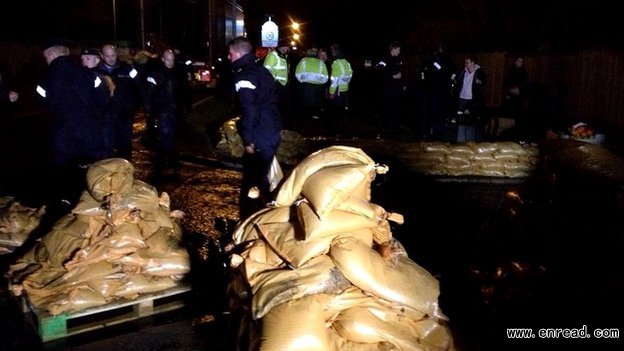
column 90, row 51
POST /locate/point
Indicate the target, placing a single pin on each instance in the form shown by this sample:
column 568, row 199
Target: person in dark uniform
column 124, row 100
column 164, row 98
column 259, row 125
column 393, row 86
column 438, row 74
column 76, row 98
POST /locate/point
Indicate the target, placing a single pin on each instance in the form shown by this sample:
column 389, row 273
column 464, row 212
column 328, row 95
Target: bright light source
column 295, row 26
column 296, row 36
column 292, row 43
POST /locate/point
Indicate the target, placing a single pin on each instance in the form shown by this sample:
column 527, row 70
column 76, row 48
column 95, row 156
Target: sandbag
column 330, row 186
column 259, row 257
column 296, row 325
column 406, row 283
column 288, row 241
column 335, row 222
column 369, row 325
column 77, row 299
column 338, row 343
column 137, row 284
column 109, row 177
column 67, row 236
column 273, row 287
column 247, row 230
column 336, row 155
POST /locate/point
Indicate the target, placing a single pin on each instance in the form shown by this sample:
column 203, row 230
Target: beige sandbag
column 67, row 236
column 247, row 231
column 176, row 263
column 338, row 343
column 460, row 170
column 137, row 284
column 357, row 205
column 84, row 273
column 296, row 325
column 350, row 297
column 335, row 222
column 328, row 157
column 436, row 146
column 433, row 156
column 359, row 324
column 288, row 241
column 510, row 147
column 459, row 159
column 354, row 296
column 464, row 148
column 407, row 283
column 330, row 186
column 77, row 299
column 162, row 243
column 141, row 196
column 372, row 324
column 433, row 335
column 96, row 253
column 151, row 221
column 259, row 257
column 89, row 206
column 109, row 177
column 485, row 148
column 107, row 285
column 506, row 157
column 17, row 222
column 270, row 288
column 122, row 236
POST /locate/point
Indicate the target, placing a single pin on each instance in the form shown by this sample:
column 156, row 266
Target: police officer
column 393, row 86
column 76, row 97
column 340, row 78
column 312, row 74
column 277, row 62
column 259, row 125
column 124, row 100
column 164, row 88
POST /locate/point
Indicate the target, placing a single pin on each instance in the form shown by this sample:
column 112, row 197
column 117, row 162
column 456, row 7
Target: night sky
column 526, row 25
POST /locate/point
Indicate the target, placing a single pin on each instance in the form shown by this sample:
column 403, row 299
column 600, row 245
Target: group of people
column 313, row 91
column 451, row 101
column 94, row 106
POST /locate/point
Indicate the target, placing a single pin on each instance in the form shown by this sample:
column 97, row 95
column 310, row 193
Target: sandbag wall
column 324, row 270
column 491, row 159
column 121, row 240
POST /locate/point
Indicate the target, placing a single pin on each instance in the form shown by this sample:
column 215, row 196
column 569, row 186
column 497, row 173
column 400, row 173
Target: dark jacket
column 76, row 97
column 164, row 88
column 260, row 122
column 389, row 66
column 127, row 86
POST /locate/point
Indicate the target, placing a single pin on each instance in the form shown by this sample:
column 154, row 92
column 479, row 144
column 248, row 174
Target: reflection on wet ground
column 543, row 252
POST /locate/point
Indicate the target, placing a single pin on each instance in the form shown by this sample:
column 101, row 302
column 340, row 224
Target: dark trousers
column 121, row 138
column 338, row 110
column 165, row 152
column 255, row 170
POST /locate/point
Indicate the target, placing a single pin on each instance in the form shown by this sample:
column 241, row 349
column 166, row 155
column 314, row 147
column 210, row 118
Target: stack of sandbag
column 17, row 222
column 324, row 270
column 121, row 240
column 230, row 146
column 491, row 159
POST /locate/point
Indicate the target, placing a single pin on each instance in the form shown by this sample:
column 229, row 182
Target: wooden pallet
column 63, row 325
